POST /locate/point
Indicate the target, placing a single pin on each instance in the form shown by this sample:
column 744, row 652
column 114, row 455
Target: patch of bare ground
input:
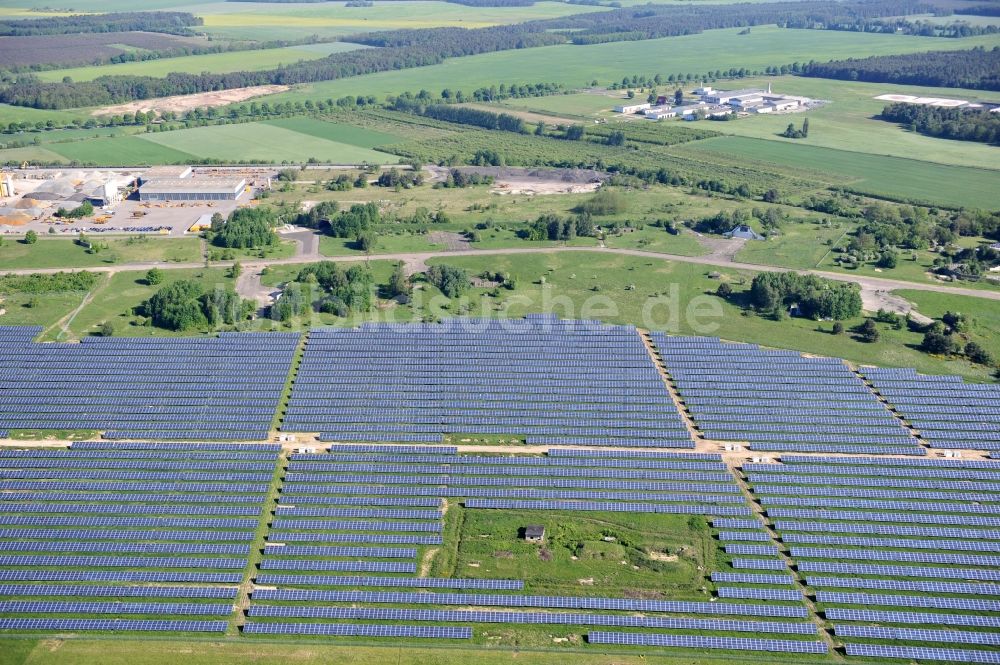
column 184, row 103
column 426, row 561
column 660, row 556
column 642, row 594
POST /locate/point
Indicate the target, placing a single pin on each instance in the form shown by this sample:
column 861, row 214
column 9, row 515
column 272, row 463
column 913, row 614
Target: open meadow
column 868, row 173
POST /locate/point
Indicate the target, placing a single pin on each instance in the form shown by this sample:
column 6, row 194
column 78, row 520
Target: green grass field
column 261, row 142
column 848, row 121
column 591, row 285
column 583, row 552
column 305, row 651
column 579, row 65
column 114, row 300
column 219, row 63
column 65, row 253
column 799, row 245
column 868, row 173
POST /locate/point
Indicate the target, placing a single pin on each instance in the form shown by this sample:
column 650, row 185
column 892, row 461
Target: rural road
column 876, row 288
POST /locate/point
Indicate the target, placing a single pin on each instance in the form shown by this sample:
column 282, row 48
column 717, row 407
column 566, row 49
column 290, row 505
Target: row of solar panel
column 80, row 607
column 953, row 588
column 118, row 591
column 563, row 602
column 560, row 618
column 327, row 462
column 360, row 630
column 154, row 625
column 704, row 642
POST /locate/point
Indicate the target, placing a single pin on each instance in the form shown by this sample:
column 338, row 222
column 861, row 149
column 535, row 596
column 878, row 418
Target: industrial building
column 630, row 109
column 192, row 189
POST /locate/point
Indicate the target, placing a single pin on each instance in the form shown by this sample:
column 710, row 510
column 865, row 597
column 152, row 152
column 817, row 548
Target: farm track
column 869, row 285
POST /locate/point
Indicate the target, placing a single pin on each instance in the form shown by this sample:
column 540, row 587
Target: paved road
column 870, row 284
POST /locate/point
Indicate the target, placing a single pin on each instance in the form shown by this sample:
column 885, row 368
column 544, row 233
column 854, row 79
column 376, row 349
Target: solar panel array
column 102, row 532
column 548, row 381
column 947, row 412
column 226, row 387
column 922, row 561
column 309, row 558
column 780, row 400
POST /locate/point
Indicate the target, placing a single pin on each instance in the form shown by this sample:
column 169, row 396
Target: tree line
column 173, row 23
column 976, row 68
column 399, row 50
column 656, row 21
column 978, row 125
column 463, row 115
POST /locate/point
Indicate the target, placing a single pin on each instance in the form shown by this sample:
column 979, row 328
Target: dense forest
column 980, row 10
column 976, row 68
column 963, row 124
column 815, row 297
column 174, row 23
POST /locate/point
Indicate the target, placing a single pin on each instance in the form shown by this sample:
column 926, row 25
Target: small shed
column 534, row 533
column 745, row 232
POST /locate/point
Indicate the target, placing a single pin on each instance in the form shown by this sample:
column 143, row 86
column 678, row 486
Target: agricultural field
column 119, row 151
column 274, row 21
column 219, row 63
column 80, row 49
column 577, row 66
column 66, row 253
column 893, row 177
column 261, row 142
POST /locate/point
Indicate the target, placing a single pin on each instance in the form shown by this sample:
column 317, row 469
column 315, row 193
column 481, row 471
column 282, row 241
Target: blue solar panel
column 922, row 653
column 913, row 635
column 93, row 590
column 126, row 625
column 360, row 630
column 77, row 607
column 704, row 642
column 562, row 602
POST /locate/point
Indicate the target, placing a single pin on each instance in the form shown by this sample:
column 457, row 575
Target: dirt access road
column 872, row 288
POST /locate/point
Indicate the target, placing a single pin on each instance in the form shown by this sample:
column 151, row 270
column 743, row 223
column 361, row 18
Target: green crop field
column 579, row 65
column 120, row 150
column 275, row 21
column 261, row 142
column 219, row 63
column 868, row 173
column 332, row 131
column 15, row 156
